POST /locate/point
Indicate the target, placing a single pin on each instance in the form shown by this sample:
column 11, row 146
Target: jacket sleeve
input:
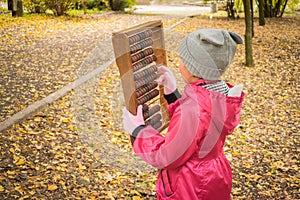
column 171, row 98
column 178, row 145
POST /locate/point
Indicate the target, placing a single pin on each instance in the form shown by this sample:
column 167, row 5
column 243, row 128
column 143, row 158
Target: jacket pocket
column 166, row 182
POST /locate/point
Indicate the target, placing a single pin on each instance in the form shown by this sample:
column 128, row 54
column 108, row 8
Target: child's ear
column 236, row 91
column 212, row 37
column 236, row 37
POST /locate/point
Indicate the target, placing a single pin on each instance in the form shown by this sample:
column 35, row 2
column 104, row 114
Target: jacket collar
column 192, row 87
column 204, row 82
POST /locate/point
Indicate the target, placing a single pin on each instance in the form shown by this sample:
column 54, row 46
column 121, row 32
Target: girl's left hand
column 167, row 79
column 130, row 121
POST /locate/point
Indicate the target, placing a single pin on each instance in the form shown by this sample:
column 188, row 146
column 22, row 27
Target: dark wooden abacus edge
column 154, row 25
column 132, row 30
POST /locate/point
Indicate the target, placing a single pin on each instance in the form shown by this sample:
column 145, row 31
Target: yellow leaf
column 117, row 134
column 135, row 193
column 37, row 119
column 12, row 150
column 82, row 167
column 10, row 172
column 1, row 188
column 62, row 182
column 56, row 177
column 19, row 189
column 122, row 161
column 22, row 130
column 136, row 198
column 52, row 187
column 114, row 140
column 65, row 120
column 20, row 162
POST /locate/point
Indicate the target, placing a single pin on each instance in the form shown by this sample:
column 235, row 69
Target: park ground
column 75, row 148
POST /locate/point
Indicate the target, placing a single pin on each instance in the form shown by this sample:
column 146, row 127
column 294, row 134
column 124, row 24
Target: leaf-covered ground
column 39, row 54
column 76, row 148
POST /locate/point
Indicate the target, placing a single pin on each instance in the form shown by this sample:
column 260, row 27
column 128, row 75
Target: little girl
column 190, row 157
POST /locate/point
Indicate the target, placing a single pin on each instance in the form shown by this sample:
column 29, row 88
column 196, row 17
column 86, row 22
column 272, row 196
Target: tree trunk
column 277, row 7
column 248, row 34
column 230, row 9
column 261, row 11
column 268, row 8
column 116, row 5
column 274, row 9
column 20, row 11
column 14, row 8
column 285, row 3
column 84, row 6
column 10, row 4
column 252, row 17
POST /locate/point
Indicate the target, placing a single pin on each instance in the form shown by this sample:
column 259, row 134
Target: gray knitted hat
column 207, row 53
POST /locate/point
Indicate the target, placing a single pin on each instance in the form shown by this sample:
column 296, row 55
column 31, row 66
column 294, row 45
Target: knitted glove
column 236, row 91
column 130, row 121
column 167, row 79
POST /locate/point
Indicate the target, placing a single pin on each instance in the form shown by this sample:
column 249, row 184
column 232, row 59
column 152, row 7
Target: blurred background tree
column 35, row 6
column 61, row 7
column 118, row 5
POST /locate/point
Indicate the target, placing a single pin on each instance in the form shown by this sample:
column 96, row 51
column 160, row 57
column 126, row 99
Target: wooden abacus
column 139, row 51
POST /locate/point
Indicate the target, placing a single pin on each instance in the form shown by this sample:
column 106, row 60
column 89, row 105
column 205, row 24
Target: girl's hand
column 167, row 79
column 130, row 121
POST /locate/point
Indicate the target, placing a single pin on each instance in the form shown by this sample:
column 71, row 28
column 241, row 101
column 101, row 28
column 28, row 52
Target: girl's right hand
column 130, row 121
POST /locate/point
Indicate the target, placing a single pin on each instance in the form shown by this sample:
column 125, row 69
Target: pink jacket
column 190, row 157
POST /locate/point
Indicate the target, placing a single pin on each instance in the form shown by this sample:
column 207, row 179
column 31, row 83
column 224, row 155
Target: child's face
column 186, row 75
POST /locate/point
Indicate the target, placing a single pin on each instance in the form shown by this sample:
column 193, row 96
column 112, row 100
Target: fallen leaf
column 52, row 187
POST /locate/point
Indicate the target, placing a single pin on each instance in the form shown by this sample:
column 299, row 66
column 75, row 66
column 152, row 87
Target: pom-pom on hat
column 207, row 53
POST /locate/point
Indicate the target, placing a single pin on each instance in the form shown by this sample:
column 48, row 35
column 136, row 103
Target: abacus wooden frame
column 122, row 52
